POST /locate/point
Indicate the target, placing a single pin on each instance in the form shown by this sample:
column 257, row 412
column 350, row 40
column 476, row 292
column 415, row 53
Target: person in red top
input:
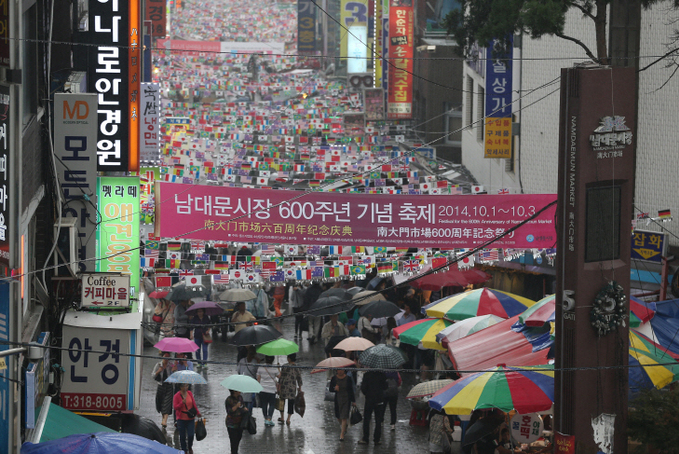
column 185, row 406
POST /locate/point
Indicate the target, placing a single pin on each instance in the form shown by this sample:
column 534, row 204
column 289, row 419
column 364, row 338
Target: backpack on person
column 392, row 388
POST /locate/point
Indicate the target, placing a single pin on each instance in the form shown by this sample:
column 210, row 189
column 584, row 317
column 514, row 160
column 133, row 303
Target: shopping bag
column 356, row 416
column 201, row 432
column 207, row 339
column 252, row 425
column 300, row 404
column 280, row 404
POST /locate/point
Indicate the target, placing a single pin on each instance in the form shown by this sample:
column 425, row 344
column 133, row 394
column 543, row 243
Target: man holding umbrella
column 373, row 385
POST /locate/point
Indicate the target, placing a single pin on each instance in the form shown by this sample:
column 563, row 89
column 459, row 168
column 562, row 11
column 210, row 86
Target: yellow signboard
column 352, row 12
column 498, row 138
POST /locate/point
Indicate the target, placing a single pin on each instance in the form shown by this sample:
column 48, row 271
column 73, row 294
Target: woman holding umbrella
column 289, row 384
column 343, row 387
column 200, row 334
column 164, row 393
column 235, row 412
column 185, row 406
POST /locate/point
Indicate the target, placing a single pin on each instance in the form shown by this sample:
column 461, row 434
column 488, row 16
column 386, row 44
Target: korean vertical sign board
column 118, row 233
column 149, row 150
column 306, row 27
column 75, row 144
column 4, row 261
column 97, row 377
column 115, row 74
column 401, row 50
column 156, row 13
column 498, row 132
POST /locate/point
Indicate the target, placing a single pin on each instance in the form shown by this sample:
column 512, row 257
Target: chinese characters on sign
column 498, row 127
column 306, row 27
column 103, row 291
column 118, row 232
column 400, row 73
column 263, row 215
column 149, row 153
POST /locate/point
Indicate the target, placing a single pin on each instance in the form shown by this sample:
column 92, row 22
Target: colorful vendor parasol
column 466, row 327
column 478, row 302
column 422, row 332
column 648, row 369
column 640, row 311
column 539, row 313
column 525, row 389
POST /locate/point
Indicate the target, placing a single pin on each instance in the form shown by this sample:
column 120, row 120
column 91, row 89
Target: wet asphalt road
column 318, row 432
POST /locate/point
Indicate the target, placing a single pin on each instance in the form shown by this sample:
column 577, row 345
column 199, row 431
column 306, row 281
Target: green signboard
column 118, row 231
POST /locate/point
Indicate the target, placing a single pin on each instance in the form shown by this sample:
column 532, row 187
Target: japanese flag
column 261, row 180
column 192, row 281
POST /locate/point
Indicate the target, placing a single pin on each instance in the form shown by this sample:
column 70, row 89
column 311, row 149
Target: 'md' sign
column 649, row 246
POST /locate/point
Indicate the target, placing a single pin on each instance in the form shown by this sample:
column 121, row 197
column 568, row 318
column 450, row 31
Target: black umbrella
column 480, row 429
column 142, row 426
column 330, row 305
column 354, row 290
column 256, row 335
column 183, row 292
column 379, row 309
column 338, row 292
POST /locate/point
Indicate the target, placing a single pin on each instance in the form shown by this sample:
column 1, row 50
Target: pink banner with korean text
column 292, row 217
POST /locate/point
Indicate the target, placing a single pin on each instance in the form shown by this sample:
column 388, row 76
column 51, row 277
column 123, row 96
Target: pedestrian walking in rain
column 164, row 393
column 235, row 412
column 197, row 335
column 289, row 384
column 343, row 387
column 187, row 410
column 373, row 385
column 248, row 366
column 267, row 377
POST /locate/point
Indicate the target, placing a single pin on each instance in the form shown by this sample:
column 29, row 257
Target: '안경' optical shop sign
column 115, row 75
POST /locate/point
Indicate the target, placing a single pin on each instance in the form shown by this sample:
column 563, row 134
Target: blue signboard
column 649, row 246
column 499, row 82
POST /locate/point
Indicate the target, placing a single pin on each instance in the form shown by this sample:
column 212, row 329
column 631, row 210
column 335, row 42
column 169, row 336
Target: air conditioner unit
column 66, row 251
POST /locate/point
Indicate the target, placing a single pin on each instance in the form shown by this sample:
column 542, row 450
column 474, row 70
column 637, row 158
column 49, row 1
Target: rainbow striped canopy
column 478, row 302
column 422, row 331
column 649, row 369
column 525, row 389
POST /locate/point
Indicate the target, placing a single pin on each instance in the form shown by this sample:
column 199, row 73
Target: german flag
column 221, row 266
column 174, row 246
column 663, row 214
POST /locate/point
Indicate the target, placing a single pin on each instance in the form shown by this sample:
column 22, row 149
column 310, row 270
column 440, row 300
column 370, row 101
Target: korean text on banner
column 5, row 194
column 118, row 232
column 75, row 145
column 149, row 151
column 400, row 73
column 156, row 13
column 498, row 132
column 265, row 215
column 306, row 27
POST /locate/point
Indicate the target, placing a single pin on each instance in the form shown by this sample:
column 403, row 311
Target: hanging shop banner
column 401, row 49
column 266, row 215
column 101, row 380
column 378, row 48
column 118, row 231
column 115, row 75
column 373, row 102
column 149, row 152
column 357, row 49
column 498, row 132
column 155, row 12
column 4, row 370
column 75, row 145
column 105, row 291
column 5, row 143
column 306, row 27
column 352, row 13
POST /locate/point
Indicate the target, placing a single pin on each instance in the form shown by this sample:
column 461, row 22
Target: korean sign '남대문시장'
column 268, row 215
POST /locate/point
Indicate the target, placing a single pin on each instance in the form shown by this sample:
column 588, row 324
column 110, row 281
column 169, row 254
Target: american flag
column 268, row 249
column 489, row 255
column 222, row 279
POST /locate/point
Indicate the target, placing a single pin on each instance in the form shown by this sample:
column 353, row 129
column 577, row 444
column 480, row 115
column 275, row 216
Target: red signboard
column 401, row 47
column 564, row 444
column 269, row 215
column 155, row 12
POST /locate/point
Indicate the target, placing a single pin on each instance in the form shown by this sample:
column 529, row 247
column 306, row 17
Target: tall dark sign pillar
column 596, row 186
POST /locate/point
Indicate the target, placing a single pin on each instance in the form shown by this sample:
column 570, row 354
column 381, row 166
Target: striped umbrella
column 478, row 302
column 539, row 313
column 640, row 311
column 651, row 369
column 466, row 327
column 526, row 390
column 427, row 388
column 422, row 332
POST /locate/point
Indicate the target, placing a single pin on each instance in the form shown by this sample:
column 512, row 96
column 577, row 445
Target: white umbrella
column 237, row 295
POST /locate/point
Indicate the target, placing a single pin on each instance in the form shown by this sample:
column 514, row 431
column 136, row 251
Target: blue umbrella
column 186, row 376
column 99, row 443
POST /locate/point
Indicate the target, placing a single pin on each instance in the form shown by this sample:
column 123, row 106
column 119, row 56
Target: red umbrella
column 451, row 278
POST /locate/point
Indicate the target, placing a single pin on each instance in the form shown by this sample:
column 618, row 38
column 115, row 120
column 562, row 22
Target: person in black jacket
column 373, row 385
column 310, row 297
